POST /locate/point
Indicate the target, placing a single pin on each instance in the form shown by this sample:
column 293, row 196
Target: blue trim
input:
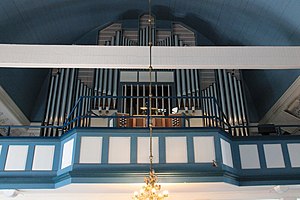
column 190, row 149
column 76, row 149
column 218, row 151
column 262, row 156
column 133, row 150
column 236, row 157
column 105, row 149
column 3, row 156
column 30, row 155
column 286, row 156
column 162, row 149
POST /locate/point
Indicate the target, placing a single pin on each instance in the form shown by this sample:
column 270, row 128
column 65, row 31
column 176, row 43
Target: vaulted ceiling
column 221, row 22
column 224, row 22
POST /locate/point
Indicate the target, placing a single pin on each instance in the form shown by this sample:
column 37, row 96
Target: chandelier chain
column 152, row 189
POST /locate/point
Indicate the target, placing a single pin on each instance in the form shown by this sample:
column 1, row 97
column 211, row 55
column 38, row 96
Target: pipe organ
column 202, row 98
column 65, row 88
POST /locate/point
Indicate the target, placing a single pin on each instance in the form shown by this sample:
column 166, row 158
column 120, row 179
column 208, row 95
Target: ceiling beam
column 254, row 57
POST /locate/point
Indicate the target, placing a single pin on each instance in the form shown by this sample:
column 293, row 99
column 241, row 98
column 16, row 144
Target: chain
column 150, row 87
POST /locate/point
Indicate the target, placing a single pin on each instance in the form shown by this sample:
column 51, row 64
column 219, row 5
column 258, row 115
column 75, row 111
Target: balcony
column 103, row 155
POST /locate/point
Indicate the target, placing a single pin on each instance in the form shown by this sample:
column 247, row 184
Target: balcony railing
column 134, row 112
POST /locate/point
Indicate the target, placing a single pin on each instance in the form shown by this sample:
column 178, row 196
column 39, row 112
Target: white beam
column 262, row 57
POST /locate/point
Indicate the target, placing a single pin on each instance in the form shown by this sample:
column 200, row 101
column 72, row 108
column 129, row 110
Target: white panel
column 165, row 76
column 43, row 157
column 143, row 144
column 128, row 76
column 119, row 150
column 249, row 156
column 16, row 157
column 138, row 57
column 144, row 76
column 0, row 149
column 90, row 150
column 176, row 150
column 274, row 156
column 226, row 153
column 67, row 156
column 204, row 148
column 294, row 150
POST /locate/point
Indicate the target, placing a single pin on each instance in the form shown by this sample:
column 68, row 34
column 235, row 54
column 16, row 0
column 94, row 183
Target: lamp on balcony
column 152, row 190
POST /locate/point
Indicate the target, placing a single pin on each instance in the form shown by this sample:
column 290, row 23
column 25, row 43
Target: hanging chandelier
column 152, row 190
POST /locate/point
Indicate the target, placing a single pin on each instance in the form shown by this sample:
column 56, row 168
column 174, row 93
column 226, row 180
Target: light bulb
column 165, row 193
column 142, row 191
column 153, row 190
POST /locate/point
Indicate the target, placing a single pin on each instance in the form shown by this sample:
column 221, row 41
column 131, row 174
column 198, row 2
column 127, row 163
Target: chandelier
column 152, row 190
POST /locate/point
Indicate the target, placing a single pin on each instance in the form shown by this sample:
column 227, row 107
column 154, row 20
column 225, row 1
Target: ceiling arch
column 224, row 22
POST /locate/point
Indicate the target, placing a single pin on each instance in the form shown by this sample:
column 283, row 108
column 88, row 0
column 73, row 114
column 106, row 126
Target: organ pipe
column 96, row 79
column 58, row 101
column 178, row 87
column 118, row 37
column 137, row 100
column 78, row 85
column 115, row 87
column 100, row 86
column 51, row 121
column 238, row 105
column 193, row 87
column 79, row 111
column 162, row 99
column 109, row 92
column 176, row 40
column 232, row 99
column 183, row 83
column 156, row 99
column 125, row 94
column 228, row 101
column 64, row 96
column 222, row 93
column 197, row 87
column 49, row 99
column 131, row 100
column 215, row 102
column 71, row 90
column 48, row 119
column 188, row 87
column 104, row 87
column 169, row 100
column 212, row 105
column 242, row 105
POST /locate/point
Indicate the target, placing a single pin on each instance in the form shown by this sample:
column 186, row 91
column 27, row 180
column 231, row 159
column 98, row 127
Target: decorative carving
column 294, row 108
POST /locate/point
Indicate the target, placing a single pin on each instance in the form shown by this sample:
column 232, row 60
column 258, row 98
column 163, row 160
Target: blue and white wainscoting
column 122, row 156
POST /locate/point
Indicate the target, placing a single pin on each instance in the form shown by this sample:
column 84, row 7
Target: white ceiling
column 184, row 191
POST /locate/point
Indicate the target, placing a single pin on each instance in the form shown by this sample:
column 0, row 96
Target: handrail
column 216, row 118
